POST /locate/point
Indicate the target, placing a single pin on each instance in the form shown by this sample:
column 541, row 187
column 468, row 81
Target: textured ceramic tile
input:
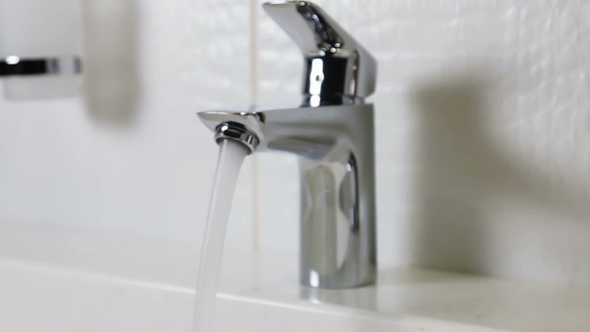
column 279, row 202
column 482, row 126
column 132, row 155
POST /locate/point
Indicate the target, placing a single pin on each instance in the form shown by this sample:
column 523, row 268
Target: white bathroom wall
column 131, row 155
column 482, row 131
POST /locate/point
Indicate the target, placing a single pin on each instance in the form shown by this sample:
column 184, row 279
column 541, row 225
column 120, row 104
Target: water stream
column 231, row 157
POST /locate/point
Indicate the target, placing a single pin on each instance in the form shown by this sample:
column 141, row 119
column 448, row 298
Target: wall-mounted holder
column 16, row 66
column 40, row 44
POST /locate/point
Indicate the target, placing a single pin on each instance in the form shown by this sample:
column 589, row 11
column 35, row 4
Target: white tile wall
column 483, row 130
column 133, row 156
column 483, row 134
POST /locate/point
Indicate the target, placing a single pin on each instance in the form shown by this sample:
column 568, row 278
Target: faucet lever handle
column 338, row 68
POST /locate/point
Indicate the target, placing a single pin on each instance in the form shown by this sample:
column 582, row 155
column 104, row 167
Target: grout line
column 254, row 98
column 255, row 202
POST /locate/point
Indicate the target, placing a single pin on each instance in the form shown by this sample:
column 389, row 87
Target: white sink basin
column 63, row 280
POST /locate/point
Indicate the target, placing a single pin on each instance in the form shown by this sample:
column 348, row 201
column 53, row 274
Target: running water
column 231, row 156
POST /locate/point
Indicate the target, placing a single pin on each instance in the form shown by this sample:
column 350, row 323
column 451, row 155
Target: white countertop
column 68, row 280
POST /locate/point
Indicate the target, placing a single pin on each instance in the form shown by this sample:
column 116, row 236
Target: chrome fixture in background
column 41, row 44
column 16, row 66
column 332, row 133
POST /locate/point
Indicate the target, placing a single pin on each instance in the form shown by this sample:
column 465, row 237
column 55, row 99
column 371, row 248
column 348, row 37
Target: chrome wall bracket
column 16, row 66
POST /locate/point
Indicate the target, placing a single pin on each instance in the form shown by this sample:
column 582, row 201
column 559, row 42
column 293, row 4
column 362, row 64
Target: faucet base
column 338, row 212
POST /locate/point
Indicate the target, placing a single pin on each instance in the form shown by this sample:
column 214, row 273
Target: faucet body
column 335, row 146
column 332, row 134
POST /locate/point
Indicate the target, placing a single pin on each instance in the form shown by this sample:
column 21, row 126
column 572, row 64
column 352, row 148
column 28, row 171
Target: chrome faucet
column 332, row 133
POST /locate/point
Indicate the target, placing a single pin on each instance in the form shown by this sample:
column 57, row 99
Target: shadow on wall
column 111, row 79
column 460, row 171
